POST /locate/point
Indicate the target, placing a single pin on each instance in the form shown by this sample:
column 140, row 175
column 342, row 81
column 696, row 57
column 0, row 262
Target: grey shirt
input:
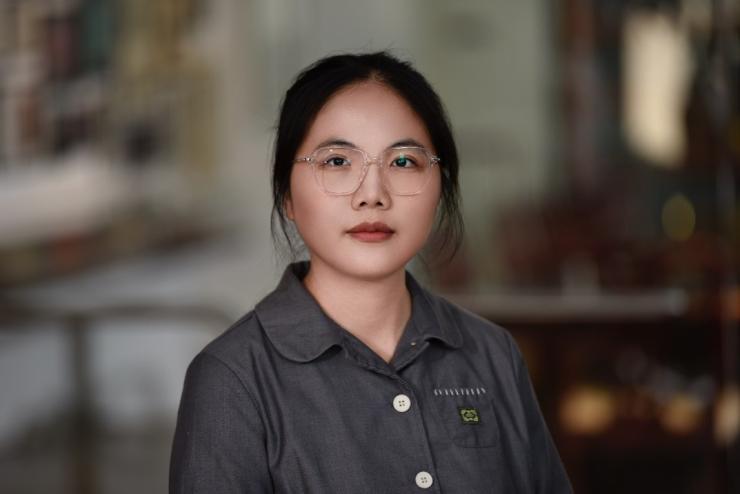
column 288, row 401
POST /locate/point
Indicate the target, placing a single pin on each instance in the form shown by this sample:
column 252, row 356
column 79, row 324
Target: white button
column 424, row 480
column 401, row 403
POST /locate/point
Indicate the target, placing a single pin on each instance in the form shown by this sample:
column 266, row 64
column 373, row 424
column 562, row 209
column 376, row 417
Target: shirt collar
column 300, row 330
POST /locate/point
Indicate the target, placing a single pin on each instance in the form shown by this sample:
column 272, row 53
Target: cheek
column 432, row 200
column 299, row 194
column 311, row 209
column 422, row 211
column 430, row 215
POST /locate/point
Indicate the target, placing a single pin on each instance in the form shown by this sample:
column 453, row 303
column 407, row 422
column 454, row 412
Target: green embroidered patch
column 469, row 416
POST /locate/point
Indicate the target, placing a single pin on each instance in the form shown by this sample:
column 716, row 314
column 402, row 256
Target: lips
column 371, row 232
column 371, row 228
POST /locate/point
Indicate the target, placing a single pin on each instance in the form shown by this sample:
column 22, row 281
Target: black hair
column 315, row 85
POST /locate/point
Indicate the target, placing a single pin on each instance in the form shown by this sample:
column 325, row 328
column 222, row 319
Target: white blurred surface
column 136, row 364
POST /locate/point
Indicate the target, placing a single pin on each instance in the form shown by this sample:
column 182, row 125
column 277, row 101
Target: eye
column 336, row 162
column 404, row 161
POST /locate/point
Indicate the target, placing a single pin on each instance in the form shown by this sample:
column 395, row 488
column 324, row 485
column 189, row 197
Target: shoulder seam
column 226, row 332
column 244, row 318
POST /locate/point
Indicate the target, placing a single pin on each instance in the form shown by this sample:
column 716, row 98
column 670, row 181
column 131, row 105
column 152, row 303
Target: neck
column 375, row 311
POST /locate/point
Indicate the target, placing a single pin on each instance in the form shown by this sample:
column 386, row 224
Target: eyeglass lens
column 340, row 170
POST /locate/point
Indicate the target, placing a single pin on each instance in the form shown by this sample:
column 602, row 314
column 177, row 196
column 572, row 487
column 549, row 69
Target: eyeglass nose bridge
column 368, row 159
column 366, row 162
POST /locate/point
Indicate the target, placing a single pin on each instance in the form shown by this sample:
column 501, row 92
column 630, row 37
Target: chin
column 367, row 261
column 371, row 267
column 372, row 273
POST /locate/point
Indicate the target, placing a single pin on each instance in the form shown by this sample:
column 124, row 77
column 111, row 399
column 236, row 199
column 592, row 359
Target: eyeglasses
column 340, row 170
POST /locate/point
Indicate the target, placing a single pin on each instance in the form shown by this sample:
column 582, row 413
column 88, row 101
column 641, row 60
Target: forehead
column 368, row 114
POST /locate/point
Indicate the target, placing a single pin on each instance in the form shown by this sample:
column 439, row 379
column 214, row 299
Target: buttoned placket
column 407, row 399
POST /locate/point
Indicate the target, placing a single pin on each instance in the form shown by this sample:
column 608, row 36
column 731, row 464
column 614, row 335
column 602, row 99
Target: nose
column 372, row 191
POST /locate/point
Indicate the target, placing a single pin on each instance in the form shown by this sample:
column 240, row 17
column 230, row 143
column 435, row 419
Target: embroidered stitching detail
column 478, row 390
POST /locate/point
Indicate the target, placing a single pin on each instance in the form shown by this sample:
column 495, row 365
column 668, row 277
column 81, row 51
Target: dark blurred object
column 639, row 401
column 623, row 222
column 63, row 45
column 142, row 143
column 597, row 245
column 629, row 389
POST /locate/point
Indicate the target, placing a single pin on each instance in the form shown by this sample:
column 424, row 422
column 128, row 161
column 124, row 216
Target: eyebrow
column 407, row 143
column 341, row 142
column 335, row 142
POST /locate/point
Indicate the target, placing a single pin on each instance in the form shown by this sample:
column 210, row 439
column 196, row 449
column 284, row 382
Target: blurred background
column 600, row 154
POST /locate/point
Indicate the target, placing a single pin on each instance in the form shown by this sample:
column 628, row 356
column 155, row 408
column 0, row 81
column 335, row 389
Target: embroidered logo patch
column 469, row 415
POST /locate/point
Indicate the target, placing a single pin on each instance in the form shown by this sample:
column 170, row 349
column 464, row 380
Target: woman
column 350, row 377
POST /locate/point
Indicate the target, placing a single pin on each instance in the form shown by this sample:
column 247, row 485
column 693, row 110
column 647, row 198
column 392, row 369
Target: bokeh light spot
column 678, row 218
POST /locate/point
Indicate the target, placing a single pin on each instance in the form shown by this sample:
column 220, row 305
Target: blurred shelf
column 668, row 303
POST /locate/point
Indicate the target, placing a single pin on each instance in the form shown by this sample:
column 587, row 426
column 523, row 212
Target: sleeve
column 548, row 474
column 219, row 442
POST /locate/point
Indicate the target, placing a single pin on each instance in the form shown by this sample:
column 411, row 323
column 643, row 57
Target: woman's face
column 371, row 117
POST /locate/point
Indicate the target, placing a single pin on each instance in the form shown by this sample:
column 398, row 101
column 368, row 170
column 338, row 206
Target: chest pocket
column 468, row 416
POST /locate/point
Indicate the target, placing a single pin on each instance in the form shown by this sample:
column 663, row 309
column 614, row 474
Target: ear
column 288, row 208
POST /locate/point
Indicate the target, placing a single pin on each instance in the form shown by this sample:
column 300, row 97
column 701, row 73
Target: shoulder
column 237, row 349
column 219, row 373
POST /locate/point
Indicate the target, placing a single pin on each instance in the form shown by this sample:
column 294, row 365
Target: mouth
column 371, row 232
